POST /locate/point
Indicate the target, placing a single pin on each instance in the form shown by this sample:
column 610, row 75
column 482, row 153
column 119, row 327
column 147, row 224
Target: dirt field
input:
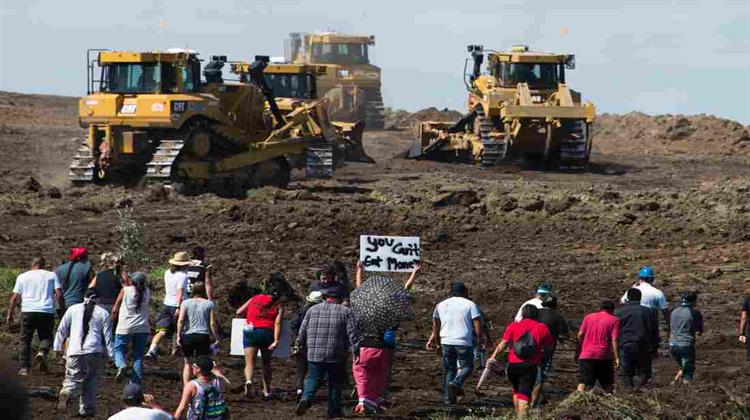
column 681, row 204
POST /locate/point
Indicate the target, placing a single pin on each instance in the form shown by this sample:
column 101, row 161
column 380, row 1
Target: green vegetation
column 130, row 238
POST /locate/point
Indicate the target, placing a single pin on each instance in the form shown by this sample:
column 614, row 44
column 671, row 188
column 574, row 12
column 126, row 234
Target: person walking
column 597, row 353
column 745, row 325
column 651, row 297
column 140, row 406
column 328, row 330
column 175, row 290
column 685, row 323
column 542, row 291
column 558, row 328
column 75, row 276
column 203, row 397
column 88, row 330
column 107, row 282
column 262, row 331
column 527, row 340
column 199, row 314
column 35, row 290
column 326, row 280
column 131, row 312
column 199, row 271
column 300, row 358
column 639, row 338
column 453, row 321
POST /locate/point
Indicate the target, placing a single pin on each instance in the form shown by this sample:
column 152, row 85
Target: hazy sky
column 655, row 56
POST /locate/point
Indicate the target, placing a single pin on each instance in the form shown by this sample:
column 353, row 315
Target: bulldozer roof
column 144, row 57
column 526, row 57
column 335, row 37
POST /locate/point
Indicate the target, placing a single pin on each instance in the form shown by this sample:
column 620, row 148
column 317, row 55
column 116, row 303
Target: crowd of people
column 341, row 331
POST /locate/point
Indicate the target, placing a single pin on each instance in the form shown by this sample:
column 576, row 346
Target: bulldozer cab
column 124, row 72
column 330, row 48
column 293, row 80
column 519, row 65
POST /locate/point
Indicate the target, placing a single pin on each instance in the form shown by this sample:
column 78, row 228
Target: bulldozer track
column 574, row 146
column 319, row 161
column 81, row 170
column 159, row 168
column 494, row 150
column 374, row 112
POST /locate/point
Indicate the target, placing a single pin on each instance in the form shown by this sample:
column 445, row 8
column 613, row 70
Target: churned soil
column 501, row 231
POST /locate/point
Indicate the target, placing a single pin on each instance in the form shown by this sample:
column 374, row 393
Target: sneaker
column 248, row 389
column 302, row 406
column 23, row 372
column 62, row 401
column 452, row 391
column 268, row 396
column 151, row 355
column 299, row 392
column 41, row 362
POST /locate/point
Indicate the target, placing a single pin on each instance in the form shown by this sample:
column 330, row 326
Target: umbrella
column 380, row 304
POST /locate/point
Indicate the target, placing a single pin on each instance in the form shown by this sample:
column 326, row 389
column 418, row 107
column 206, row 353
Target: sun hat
column 109, row 260
column 315, row 297
column 181, row 259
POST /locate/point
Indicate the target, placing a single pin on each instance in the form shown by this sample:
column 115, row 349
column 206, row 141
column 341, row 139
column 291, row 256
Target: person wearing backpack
column 203, row 397
column 527, row 340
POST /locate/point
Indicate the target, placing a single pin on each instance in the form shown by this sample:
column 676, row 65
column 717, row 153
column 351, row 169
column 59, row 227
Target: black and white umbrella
column 380, row 304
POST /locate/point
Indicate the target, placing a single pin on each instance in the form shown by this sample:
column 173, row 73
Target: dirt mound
column 636, row 132
column 400, row 119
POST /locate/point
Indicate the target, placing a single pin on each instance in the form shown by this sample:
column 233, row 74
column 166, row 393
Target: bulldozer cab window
column 188, row 76
column 289, row 85
column 340, row 53
column 131, row 78
column 535, row 74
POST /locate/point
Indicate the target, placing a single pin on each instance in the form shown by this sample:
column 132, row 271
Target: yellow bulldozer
column 351, row 83
column 150, row 117
column 520, row 106
column 295, row 86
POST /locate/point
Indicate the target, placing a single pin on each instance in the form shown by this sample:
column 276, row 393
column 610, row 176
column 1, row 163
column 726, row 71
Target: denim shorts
column 257, row 337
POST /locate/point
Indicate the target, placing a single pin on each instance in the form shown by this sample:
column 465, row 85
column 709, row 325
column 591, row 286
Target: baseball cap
column 132, row 393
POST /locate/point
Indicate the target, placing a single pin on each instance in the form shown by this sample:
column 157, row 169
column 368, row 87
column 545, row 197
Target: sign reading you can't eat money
column 389, row 253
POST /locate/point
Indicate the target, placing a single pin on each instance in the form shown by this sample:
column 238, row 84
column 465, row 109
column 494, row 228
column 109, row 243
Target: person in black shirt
column 200, row 272
column 639, row 339
column 558, row 328
column 327, row 282
column 745, row 325
column 107, row 282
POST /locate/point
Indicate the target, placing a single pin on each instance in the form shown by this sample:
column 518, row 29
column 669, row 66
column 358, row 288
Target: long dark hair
column 278, row 288
column 139, row 281
column 89, row 302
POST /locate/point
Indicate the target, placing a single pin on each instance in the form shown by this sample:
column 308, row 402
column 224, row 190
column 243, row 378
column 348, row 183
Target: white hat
column 315, row 297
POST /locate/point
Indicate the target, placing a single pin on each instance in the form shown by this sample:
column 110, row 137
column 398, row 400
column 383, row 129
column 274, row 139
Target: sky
column 657, row 56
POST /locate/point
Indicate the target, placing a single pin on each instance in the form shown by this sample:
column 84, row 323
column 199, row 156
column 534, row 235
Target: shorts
column 523, row 377
column 592, row 370
column 685, row 357
column 194, row 345
column 546, row 366
column 166, row 320
column 257, row 337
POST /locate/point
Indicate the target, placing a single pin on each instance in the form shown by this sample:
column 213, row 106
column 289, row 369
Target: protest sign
column 389, row 253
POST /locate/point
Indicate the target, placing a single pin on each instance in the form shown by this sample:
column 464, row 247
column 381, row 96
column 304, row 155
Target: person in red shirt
column 527, row 340
column 262, row 331
column 598, row 355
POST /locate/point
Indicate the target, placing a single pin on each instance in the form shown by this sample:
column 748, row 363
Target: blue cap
column 646, row 272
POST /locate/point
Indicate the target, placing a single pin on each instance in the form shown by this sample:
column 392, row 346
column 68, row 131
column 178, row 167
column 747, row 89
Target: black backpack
column 525, row 347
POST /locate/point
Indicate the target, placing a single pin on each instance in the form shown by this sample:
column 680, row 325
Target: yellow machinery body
column 520, row 106
column 149, row 115
column 351, row 82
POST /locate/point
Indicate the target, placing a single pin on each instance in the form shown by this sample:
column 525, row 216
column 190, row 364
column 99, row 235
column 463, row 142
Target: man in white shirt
column 544, row 290
column 175, row 290
column 36, row 290
column 453, row 321
column 140, row 406
column 88, row 330
column 651, row 297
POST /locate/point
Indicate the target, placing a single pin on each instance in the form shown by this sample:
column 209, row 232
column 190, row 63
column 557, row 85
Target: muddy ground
column 501, row 231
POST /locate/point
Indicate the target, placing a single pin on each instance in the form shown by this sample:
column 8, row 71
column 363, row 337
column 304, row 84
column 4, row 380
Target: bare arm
column 15, row 298
column 150, row 402
column 242, row 311
column 498, row 350
column 358, row 275
column 209, row 284
column 743, row 323
column 665, row 312
column 410, row 281
column 60, row 298
column 616, row 352
column 434, row 334
column 92, row 283
column 180, row 322
column 213, row 324
column 187, row 394
column 277, row 329
column 118, row 302
column 477, row 327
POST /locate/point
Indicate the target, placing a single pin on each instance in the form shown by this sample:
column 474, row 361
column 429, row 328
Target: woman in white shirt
column 89, row 333
column 131, row 310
